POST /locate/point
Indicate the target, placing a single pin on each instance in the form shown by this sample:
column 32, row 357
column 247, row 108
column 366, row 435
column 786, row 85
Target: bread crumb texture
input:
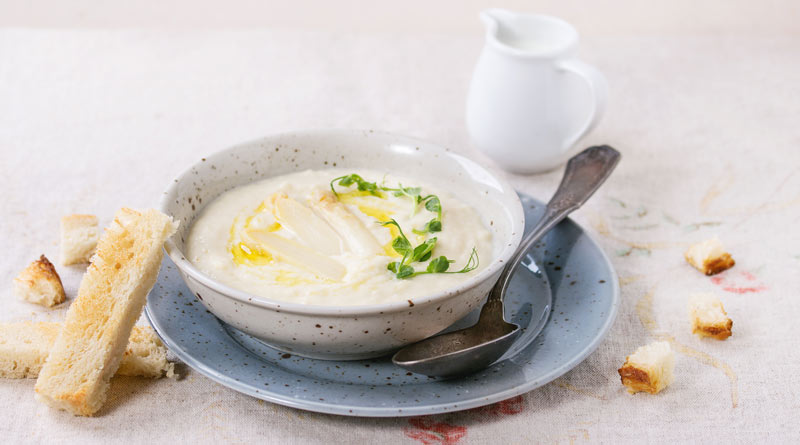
column 89, row 348
column 78, row 238
column 145, row 355
column 650, row 368
column 39, row 283
column 709, row 257
column 24, row 347
column 708, row 316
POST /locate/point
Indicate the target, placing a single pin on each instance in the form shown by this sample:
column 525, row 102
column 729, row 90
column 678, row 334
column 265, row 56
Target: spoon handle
column 585, row 173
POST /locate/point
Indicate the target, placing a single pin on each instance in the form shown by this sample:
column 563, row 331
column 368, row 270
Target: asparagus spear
column 357, row 237
column 295, row 253
column 312, row 230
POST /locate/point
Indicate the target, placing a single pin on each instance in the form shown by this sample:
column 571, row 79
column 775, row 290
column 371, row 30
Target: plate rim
column 356, row 411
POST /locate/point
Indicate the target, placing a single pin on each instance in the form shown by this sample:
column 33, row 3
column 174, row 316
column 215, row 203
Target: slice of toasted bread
column 39, row 283
column 113, row 291
column 78, row 238
column 709, row 257
column 650, row 368
column 24, row 346
column 709, row 318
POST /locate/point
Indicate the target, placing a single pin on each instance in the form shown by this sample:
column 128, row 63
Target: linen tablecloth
column 709, row 127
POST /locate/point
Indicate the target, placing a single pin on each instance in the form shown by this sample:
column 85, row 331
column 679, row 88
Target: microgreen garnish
column 362, row 184
column 441, row 264
column 421, row 253
column 431, row 202
column 424, row 251
column 411, row 192
column 400, row 244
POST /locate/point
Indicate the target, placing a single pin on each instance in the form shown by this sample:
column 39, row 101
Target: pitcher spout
column 522, row 34
column 494, row 18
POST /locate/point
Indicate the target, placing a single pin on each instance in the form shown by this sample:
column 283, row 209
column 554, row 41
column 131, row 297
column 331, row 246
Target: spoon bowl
column 464, row 351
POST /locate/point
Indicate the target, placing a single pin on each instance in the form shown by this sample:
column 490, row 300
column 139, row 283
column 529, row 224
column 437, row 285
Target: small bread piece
column 39, row 283
column 648, row 369
column 113, row 291
column 24, row 347
column 709, row 257
column 78, row 238
column 709, row 318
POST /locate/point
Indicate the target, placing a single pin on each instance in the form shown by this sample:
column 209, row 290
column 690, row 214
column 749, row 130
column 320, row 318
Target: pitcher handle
column 598, row 87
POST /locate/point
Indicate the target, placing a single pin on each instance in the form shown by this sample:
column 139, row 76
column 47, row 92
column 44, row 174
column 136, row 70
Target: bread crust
column 649, row 369
column 708, row 316
column 113, row 291
column 39, row 283
column 79, row 219
column 708, row 257
column 636, row 379
column 714, row 266
column 719, row 331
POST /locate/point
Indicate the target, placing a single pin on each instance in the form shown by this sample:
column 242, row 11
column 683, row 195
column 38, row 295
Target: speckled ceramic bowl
column 343, row 332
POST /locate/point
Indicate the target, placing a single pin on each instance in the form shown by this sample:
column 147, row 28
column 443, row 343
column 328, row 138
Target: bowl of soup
column 341, row 244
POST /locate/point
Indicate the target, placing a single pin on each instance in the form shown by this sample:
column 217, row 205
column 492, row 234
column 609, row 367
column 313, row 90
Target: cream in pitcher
column 531, row 99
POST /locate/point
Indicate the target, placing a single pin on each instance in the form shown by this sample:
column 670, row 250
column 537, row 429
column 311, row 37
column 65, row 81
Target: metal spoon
column 474, row 348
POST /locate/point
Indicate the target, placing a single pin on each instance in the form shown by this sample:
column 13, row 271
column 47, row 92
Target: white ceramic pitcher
column 531, row 99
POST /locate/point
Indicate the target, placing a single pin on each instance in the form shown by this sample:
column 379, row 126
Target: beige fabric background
column 91, row 120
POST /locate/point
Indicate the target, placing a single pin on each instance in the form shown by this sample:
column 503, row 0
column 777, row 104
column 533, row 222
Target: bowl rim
column 186, row 266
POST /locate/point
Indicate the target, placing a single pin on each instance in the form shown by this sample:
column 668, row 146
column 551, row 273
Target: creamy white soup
column 365, row 238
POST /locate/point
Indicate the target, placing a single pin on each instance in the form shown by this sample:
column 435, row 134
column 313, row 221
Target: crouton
column 709, row 257
column 649, row 369
column 39, row 283
column 708, row 317
column 78, row 238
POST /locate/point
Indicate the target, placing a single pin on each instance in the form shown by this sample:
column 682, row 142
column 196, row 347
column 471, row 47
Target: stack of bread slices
column 74, row 361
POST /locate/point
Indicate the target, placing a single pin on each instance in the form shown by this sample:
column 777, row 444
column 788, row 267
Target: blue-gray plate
column 567, row 272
